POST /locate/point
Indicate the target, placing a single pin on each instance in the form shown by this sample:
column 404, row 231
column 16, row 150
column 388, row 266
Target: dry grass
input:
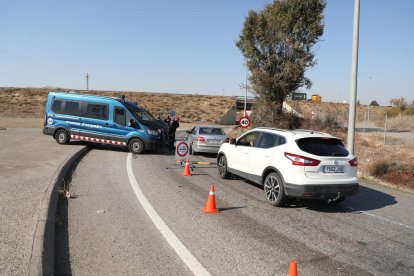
column 30, row 102
column 401, row 122
column 392, row 162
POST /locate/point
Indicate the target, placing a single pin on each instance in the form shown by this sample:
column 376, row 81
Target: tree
column 400, row 103
column 277, row 46
column 374, row 103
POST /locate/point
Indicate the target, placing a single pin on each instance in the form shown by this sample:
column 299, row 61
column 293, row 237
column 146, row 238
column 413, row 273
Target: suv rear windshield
column 323, row 146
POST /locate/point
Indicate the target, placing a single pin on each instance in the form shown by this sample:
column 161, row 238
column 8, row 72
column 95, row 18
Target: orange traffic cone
column 211, row 202
column 187, row 171
column 293, row 268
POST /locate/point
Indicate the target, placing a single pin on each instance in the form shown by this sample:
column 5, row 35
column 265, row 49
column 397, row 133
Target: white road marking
column 192, row 263
column 381, row 218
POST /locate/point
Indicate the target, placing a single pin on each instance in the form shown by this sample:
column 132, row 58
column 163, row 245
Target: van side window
column 96, row 111
column 119, row 115
column 56, row 106
column 71, row 108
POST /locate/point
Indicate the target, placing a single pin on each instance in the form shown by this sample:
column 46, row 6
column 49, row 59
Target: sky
column 188, row 46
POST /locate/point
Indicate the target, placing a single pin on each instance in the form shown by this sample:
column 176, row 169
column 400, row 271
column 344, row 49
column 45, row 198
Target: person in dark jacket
column 175, row 123
column 167, row 121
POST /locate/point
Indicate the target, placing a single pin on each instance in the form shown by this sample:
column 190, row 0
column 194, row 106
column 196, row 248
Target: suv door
column 262, row 155
column 238, row 156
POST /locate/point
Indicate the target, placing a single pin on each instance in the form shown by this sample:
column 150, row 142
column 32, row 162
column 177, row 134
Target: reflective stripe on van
column 85, row 138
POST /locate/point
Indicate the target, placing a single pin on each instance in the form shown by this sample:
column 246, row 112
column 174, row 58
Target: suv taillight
column 353, row 162
column 299, row 160
column 200, row 139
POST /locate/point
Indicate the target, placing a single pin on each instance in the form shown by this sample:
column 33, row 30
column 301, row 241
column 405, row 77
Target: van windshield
column 143, row 115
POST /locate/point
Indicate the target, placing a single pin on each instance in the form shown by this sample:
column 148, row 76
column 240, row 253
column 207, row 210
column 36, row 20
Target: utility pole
column 245, row 98
column 87, row 81
column 353, row 94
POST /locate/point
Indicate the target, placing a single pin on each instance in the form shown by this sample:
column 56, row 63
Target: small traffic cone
column 187, row 171
column 293, row 268
column 211, row 202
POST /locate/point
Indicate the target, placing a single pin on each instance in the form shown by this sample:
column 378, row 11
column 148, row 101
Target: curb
column 42, row 258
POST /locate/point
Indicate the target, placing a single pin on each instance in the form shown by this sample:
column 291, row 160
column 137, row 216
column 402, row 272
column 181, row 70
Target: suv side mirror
column 187, row 131
column 232, row 141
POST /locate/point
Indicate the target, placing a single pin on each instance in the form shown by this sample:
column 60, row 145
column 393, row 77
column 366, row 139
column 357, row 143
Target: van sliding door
column 94, row 123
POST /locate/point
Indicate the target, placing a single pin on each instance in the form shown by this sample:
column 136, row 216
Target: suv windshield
column 323, row 146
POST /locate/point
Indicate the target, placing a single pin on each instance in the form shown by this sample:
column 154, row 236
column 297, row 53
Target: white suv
column 291, row 163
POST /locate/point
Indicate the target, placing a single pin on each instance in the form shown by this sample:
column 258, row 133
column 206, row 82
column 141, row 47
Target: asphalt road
column 29, row 162
column 106, row 231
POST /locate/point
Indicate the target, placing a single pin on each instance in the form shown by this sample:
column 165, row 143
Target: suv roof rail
column 311, row 131
column 272, row 128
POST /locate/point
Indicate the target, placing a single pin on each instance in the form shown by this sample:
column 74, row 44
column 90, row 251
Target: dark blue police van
column 106, row 120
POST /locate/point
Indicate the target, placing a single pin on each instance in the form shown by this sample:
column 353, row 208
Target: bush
column 402, row 122
column 265, row 115
column 379, row 168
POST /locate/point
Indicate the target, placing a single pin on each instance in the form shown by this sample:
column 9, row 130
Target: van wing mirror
column 232, row 141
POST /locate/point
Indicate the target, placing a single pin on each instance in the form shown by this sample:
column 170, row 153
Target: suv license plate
column 333, row 169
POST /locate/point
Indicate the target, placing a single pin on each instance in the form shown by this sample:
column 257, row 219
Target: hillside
column 30, row 103
column 24, row 107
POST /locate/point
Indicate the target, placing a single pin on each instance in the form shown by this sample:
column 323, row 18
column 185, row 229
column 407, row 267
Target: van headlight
column 152, row 132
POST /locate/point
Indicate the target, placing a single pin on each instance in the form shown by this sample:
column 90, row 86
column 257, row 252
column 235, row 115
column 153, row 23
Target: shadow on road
column 116, row 148
column 367, row 199
column 62, row 253
column 230, row 208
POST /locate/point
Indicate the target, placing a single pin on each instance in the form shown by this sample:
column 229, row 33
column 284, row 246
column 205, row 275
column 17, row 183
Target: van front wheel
column 62, row 137
column 136, row 146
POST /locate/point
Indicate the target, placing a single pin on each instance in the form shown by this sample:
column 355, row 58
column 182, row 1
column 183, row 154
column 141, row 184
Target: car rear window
column 322, row 146
column 212, row 131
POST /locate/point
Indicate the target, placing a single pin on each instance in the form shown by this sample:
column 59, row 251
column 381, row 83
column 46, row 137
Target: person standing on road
column 175, row 123
column 167, row 121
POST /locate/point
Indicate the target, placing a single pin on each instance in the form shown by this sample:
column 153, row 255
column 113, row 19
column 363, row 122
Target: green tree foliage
column 374, row 103
column 277, row 45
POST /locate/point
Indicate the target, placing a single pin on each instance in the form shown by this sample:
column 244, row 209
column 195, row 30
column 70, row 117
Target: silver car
column 206, row 139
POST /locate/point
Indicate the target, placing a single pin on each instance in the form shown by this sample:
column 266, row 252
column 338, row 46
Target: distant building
column 249, row 103
column 316, row 98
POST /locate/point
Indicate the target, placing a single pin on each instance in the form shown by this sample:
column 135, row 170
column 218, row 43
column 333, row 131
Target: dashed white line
column 192, row 263
column 381, row 218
